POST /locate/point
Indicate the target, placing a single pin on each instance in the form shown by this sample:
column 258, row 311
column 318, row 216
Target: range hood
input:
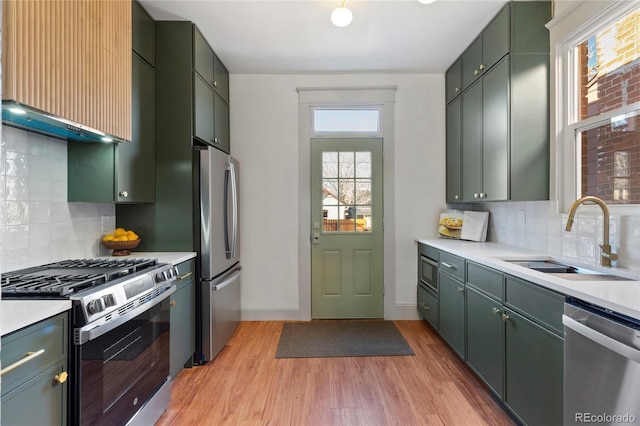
column 24, row 117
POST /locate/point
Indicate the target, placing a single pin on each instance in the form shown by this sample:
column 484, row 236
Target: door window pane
column 346, row 190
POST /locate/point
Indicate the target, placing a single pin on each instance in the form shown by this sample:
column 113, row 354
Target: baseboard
column 404, row 312
column 272, row 315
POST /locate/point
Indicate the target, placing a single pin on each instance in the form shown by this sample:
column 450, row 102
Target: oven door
column 428, row 270
column 119, row 371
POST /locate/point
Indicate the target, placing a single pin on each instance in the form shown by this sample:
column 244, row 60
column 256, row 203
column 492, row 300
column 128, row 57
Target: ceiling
column 297, row 36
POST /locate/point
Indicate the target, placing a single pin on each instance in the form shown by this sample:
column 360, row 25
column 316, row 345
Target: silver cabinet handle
column 457, row 197
column 124, row 194
column 483, row 195
column 460, row 289
column 215, row 84
column 30, row 356
column 215, row 140
column 505, row 317
column 425, row 307
column 448, row 266
column 476, row 195
column 482, row 66
column 457, row 89
column 476, row 72
column 495, row 311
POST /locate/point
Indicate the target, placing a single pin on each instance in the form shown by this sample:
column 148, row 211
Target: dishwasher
column 601, row 366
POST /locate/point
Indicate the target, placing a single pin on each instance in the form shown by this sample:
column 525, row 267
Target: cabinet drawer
column 452, row 265
column 428, row 306
column 428, row 251
column 485, row 279
column 50, row 335
column 539, row 304
column 186, row 273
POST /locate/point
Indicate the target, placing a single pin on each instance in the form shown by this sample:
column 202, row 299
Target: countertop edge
column 619, row 296
column 173, row 257
column 17, row 314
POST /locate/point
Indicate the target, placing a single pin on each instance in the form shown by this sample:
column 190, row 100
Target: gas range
column 100, row 289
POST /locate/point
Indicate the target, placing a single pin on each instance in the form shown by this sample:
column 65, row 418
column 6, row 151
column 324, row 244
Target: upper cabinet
column 75, row 69
column 210, row 94
column 498, row 123
column 123, row 172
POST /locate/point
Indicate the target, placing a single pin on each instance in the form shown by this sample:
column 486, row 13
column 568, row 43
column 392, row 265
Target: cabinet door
column 495, row 132
column 428, row 306
column 454, row 146
column 485, row 338
column 143, row 33
column 534, row 371
column 91, row 172
column 136, row 170
column 472, row 143
column 451, row 311
column 220, row 78
column 40, row 401
column 182, row 332
column 203, row 114
column 221, row 131
column 453, row 80
column 203, row 57
column 495, row 39
column 471, row 61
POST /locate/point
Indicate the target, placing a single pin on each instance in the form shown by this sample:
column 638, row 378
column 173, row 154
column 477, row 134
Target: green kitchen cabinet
column 454, row 151
column 505, row 110
column 42, row 381
column 533, row 371
column 451, row 309
column 123, row 172
column 428, row 306
column 485, row 338
column 487, row 49
column 209, row 66
column 453, row 81
column 182, row 308
column 210, row 115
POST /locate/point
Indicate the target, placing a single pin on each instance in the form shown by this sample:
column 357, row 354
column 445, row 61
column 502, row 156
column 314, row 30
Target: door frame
column 309, row 98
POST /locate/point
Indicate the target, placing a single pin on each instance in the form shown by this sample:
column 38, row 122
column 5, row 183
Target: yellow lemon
column 132, row 237
column 108, row 238
column 122, row 238
column 119, row 232
column 130, row 232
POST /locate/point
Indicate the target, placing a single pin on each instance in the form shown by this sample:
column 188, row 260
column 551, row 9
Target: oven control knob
column 109, row 300
column 160, row 277
column 95, row 306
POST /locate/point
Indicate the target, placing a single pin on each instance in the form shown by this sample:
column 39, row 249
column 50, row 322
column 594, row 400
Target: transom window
column 346, row 121
column 605, row 126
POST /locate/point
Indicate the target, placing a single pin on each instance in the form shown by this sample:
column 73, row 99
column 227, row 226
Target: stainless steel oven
column 428, row 267
column 119, row 354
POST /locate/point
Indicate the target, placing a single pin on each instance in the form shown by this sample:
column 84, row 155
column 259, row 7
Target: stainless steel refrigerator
column 220, row 250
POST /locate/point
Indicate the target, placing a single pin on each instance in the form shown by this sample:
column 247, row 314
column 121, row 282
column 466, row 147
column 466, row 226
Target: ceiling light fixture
column 341, row 16
column 426, row 1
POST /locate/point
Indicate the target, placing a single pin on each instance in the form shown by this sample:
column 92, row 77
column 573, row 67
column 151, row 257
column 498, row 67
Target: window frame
column 578, row 23
column 346, row 134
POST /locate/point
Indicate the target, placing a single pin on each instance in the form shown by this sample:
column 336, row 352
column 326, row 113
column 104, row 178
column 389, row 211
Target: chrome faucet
column 606, row 255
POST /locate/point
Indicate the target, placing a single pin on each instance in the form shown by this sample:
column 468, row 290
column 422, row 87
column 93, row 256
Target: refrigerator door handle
column 230, row 185
column 228, row 281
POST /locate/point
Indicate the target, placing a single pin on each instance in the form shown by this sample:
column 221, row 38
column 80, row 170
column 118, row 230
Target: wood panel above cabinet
column 70, row 59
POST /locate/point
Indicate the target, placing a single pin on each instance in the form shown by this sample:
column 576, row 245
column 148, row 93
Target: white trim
column 311, row 97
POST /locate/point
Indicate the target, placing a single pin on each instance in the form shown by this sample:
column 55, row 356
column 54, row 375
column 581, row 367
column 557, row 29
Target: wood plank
column 247, row 385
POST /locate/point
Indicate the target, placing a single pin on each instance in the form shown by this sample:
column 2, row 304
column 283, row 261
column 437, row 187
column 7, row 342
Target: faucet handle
column 607, row 253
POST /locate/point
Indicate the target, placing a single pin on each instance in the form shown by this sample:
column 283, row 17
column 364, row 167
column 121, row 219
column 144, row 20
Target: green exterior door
column 346, row 217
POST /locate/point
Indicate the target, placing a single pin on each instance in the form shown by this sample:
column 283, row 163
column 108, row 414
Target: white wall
column 264, row 137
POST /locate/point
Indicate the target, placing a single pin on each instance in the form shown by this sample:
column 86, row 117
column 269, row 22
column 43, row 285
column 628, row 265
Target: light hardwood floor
column 246, row 385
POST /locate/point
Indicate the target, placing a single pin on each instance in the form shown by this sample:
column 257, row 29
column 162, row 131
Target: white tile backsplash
column 37, row 224
column 544, row 230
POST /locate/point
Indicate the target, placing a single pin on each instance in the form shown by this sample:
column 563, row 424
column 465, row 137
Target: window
column 351, row 121
column 603, row 128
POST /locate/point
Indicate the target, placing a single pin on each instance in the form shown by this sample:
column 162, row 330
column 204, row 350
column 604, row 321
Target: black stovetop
column 69, row 277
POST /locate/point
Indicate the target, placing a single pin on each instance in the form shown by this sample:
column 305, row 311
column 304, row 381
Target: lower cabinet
column 451, row 309
column 428, row 306
column 182, row 319
column 40, row 382
column 485, row 339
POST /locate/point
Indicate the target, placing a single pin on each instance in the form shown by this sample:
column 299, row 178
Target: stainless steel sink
column 566, row 272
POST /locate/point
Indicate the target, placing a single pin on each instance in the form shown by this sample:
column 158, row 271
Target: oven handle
column 602, row 339
column 90, row 331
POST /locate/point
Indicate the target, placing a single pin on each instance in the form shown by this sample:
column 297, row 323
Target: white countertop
column 16, row 314
column 619, row 296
